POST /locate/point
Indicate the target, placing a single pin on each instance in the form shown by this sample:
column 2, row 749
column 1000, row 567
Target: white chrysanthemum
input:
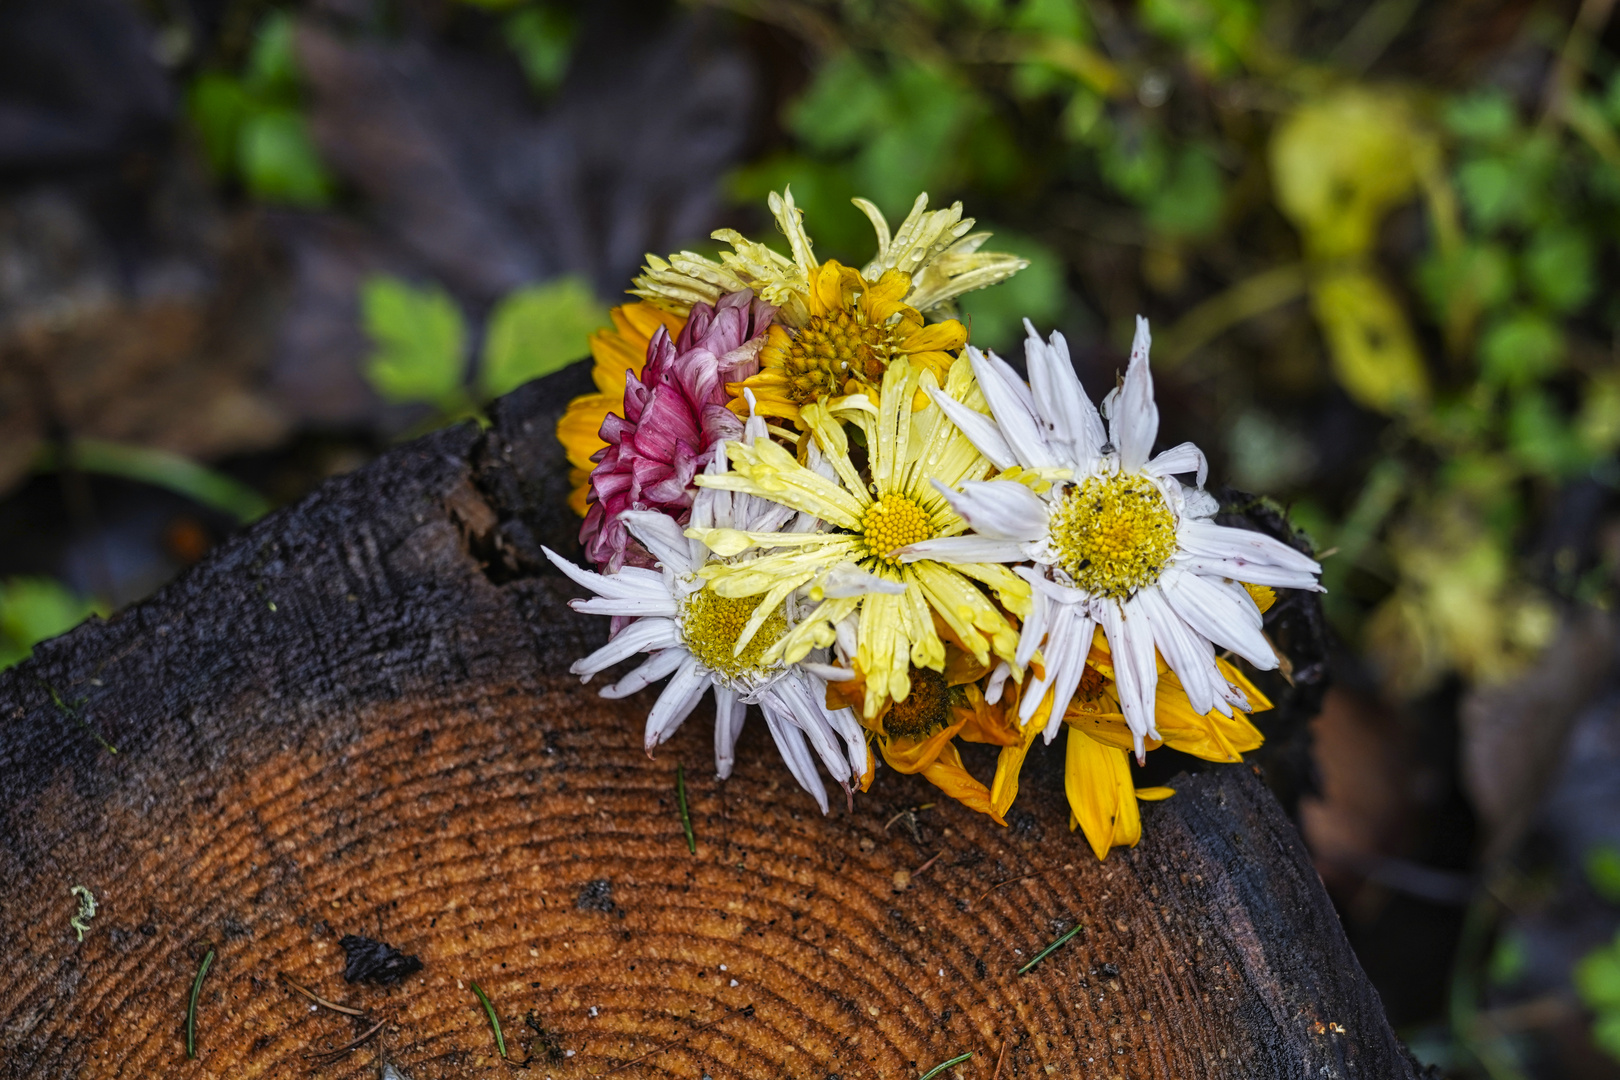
column 691, row 634
column 1117, row 543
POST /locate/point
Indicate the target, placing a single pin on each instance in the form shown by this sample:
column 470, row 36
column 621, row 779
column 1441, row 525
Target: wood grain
column 356, row 718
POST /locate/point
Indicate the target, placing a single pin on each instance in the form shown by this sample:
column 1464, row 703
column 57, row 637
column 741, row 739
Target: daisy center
column 893, row 522
column 711, row 625
column 832, row 349
column 1113, row 534
column 925, row 709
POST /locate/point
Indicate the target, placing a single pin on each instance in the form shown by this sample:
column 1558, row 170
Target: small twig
column 1013, row 881
column 686, row 818
column 746, row 1010
column 191, row 1009
column 333, row 1055
column 999, row 1059
column 1052, row 948
column 903, row 813
column 494, row 1021
column 942, row 1066
column 929, row 863
column 317, row 999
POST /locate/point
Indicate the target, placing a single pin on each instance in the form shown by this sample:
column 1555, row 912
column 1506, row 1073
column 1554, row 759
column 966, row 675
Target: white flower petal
column 1179, row 460
column 633, row 606
column 729, row 713
column 1069, row 661
column 1014, row 409
column 828, row 672
column 847, row 579
column 1060, row 398
column 811, row 718
column 1241, row 570
column 997, row 682
column 1136, row 668
column 643, row 635
column 664, row 539
column 963, row 549
column 658, row 665
column 1224, row 542
column 1034, row 628
column 1134, row 423
column 677, row 701
column 999, row 509
column 1189, row 655
column 790, row 744
column 632, row 581
column 980, row 429
column 1218, row 615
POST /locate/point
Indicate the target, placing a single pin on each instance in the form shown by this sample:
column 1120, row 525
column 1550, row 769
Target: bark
column 356, row 718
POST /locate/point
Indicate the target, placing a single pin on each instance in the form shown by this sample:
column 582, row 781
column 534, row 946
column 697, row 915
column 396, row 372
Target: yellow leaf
column 1339, row 164
column 1375, row 356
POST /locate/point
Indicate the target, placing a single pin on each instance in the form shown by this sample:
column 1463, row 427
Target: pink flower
column 674, row 414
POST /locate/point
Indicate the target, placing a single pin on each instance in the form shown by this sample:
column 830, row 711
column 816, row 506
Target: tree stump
column 356, row 718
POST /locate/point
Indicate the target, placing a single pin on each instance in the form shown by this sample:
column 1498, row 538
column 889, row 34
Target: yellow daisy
column 849, row 571
column 855, row 329
column 617, row 351
column 936, row 249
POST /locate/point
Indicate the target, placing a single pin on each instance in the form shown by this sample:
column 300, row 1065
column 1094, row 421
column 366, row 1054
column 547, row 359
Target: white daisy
column 692, row 633
column 1116, row 541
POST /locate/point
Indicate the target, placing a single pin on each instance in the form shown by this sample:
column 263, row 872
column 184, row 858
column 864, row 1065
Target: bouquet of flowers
column 804, row 490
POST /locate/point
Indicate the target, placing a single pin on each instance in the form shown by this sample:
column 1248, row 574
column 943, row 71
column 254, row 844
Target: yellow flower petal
column 1154, row 794
column 1097, row 779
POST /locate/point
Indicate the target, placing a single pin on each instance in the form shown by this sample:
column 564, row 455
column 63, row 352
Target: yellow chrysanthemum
column 850, row 570
column 617, row 351
column 936, row 250
column 855, row 329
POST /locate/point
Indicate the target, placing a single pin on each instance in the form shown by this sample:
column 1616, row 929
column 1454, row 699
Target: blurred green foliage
column 251, row 124
column 1597, row 979
column 33, row 609
column 420, row 341
column 1448, row 245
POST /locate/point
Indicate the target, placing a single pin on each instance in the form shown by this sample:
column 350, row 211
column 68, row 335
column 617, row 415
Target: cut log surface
column 356, row 718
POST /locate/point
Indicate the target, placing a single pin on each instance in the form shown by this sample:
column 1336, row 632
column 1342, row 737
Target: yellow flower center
column 830, row 350
column 711, row 625
column 893, row 522
column 1113, row 535
column 925, row 709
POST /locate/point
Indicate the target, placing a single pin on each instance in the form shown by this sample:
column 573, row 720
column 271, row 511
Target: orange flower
column 617, row 351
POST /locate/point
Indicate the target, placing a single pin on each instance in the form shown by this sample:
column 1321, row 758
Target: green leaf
column 1606, row 1033
column 1189, row 205
column 1492, row 191
column 33, row 609
column 1473, row 278
column 1520, row 348
column 1542, row 438
column 164, row 469
column 912, row 149
column 822, row 190
column 543, row 38
column 1487, row 116
column 1053, row 18
column 1603, row 871
column 218, row 106
column 995, row 315
column 1508, row 960
column 1597, row 977
column 420, row 339
column 844, row 103
column 272, row 66
column 537, row 330
column 278, row 160
column 1558, row 267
